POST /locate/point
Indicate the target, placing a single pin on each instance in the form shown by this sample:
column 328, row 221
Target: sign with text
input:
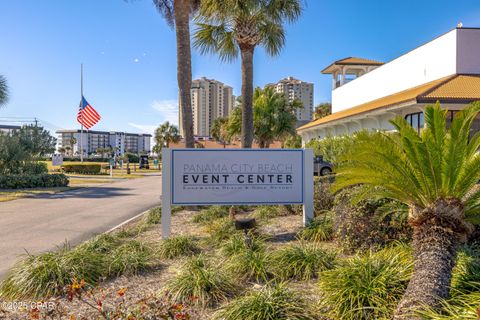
column 57, row 160
column 236, row 176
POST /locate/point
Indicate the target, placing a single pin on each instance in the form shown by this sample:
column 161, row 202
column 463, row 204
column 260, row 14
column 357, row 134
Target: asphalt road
column 43, row 222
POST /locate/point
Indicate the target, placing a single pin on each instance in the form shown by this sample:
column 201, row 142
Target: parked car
column 143, row 163
column 321, row 167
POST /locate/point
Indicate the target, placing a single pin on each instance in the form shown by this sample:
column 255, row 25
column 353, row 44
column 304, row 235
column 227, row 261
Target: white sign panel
column 258, row 176
column 236, row 176
column 57, row 160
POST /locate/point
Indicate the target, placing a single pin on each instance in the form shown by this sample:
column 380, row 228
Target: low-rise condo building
column 367, row 94
column 120, row 142
column 8, row 129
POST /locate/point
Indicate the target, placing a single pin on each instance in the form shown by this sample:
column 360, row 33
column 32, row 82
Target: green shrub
column 236, row 244
column 251, row 264
column 272, row 302
column 79, row 168
column 44, row 275
column 130, row 258
column 130, row 232
column 301, row 261
column 319, row 229
column 199, row 282
column 153, row 216
column 35, row 168
column 33, row 181
column 323, row 198
column 131, row 157
column 176, row 209
column 266, row 212
column 210, row 214
column 177, row 246
column 103, row 243
column 370, row 223
column 289, row 209
column 220, row 230
column 331, row 148
column 367, row 286
column 460, row 306
column 466, row 273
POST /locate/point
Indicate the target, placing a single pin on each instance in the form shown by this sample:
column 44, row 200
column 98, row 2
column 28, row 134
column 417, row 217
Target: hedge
column 83, row 168
column 23, row 181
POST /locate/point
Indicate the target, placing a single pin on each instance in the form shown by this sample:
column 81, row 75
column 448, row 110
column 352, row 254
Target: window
column 416, row 120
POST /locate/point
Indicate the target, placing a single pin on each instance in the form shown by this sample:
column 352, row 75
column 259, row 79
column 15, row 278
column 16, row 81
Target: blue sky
column 128, row 53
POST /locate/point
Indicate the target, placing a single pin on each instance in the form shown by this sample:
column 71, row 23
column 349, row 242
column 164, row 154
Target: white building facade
column 367, row 94
column 8, row 129
column 90, row 141
column 211, row 99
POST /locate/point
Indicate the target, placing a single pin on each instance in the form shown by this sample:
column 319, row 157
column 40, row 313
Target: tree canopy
column 165, row 134
column 3, row 91
column 273, row 117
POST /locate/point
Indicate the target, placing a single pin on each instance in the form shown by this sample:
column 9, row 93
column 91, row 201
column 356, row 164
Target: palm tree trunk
column 247, row 95
column 184, row 67
column 435, row 248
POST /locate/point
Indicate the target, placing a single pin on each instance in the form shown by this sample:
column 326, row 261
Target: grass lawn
column 85, row 182
column 8, row 195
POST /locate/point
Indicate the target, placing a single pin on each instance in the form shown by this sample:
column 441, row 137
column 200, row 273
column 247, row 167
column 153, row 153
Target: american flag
column 87, row 116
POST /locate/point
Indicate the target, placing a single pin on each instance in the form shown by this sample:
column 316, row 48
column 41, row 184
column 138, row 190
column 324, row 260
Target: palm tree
column 217, row 131
column 164, row 135
column 322, row 110
column 72, row 142
column 434, row 173
column 3, row 91
column 230, row 27
column 177, row 13
column 273, row 115
column 62, row 150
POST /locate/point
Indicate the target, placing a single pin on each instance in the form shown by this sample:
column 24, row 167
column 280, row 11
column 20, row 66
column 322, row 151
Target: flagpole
column 81, row 97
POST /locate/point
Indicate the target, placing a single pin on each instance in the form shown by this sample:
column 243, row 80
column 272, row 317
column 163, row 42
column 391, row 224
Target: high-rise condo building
column 211, row 99
column 295, row 89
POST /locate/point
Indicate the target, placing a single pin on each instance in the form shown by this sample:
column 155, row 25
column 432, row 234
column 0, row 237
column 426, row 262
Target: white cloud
column 144, row 128
column 168, row 110
column 136, row 60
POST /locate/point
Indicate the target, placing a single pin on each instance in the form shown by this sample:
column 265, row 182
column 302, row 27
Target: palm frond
column 272, row 37
column 418, row 169
column 472, row 203
column 279, row 10
column 165, row 8
column 218, row 39
column 3, row 90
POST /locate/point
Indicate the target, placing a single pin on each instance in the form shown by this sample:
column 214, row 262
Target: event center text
column 238, row 173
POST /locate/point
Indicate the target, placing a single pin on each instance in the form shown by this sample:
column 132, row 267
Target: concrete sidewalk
column 43, row 222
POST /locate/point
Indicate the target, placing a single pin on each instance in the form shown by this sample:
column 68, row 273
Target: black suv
column 321, row 167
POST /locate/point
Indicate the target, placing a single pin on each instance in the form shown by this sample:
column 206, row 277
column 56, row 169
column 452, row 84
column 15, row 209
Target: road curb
column 127, row 221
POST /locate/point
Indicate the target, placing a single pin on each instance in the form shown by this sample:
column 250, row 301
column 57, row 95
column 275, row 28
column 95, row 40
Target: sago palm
column 3, row 91
column 233, row 27
column 177, row 13
column 435, row 173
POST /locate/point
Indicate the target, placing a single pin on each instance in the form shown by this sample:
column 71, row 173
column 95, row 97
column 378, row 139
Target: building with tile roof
column 367, row 94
